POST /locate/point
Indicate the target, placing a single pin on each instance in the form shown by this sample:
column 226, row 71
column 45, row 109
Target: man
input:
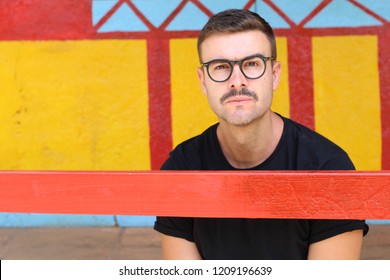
column 238, row 75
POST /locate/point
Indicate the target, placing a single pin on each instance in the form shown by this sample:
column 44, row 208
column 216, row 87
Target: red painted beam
column 325, row 195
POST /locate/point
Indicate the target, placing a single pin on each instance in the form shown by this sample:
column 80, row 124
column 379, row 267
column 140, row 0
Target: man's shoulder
column 315, row 150
column 308, row 136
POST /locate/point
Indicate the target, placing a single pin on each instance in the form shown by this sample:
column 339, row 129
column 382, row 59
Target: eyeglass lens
column 252, row 68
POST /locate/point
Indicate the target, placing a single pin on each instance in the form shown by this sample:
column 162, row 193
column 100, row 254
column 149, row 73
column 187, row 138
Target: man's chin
column 242, row 120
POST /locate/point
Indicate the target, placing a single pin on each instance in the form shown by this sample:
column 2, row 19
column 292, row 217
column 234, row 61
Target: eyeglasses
column 253, row 67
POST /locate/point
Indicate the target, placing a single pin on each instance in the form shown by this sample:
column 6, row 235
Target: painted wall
column 107, row 84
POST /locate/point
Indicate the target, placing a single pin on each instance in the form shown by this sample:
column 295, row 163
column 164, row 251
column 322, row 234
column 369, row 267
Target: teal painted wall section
column 338, row 13
column 56, row 220
column 49, row 220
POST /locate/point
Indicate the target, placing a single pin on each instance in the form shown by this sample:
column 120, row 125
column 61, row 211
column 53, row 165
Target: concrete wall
column 111, row 84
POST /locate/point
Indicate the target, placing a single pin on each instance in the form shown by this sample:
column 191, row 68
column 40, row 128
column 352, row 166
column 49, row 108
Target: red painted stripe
column 334, row 31
column 384, row 74
column 175, row 12
column 45, row 19
column 202, row 7
column 140, row 15
column 373, row 30
column 280, row 12
column 324, row 195
column 159, row 101
column 315, row 12
column 300, row 78
column 249, row 4
column 108, row 15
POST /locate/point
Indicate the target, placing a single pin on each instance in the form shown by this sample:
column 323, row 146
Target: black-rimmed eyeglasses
column 252, row 67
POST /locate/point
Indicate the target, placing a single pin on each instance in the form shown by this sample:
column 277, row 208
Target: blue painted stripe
column 57, row 220
column 297, row 10
column 273, row 18
column 155, row 11
column 135, row 221
column 380, row 7
column 218, row 6
column 124, row 20
column 100, row 8
column 190, row 18
column 341, row 13
column 378, row 222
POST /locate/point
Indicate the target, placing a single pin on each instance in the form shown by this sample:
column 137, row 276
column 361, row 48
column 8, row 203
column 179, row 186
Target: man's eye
column 252, row 63
column 221, row 66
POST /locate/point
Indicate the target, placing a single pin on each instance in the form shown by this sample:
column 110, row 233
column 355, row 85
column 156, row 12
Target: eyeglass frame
column 239, row 62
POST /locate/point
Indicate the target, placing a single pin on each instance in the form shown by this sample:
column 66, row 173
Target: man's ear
column 276, row 72
column 201, row 76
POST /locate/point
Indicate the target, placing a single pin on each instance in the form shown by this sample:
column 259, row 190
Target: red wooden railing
column 268, row 194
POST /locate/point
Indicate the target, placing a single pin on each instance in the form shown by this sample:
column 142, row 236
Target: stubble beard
column 240, row 116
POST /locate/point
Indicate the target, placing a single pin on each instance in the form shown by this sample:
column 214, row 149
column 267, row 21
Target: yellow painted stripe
column 281, row 101
column 347, row 96
column 191, row 113
column 74, row 105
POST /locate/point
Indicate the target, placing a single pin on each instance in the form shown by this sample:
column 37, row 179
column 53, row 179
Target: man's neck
column 248, row 146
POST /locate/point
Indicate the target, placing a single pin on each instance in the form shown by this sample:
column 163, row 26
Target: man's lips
column 239, row 99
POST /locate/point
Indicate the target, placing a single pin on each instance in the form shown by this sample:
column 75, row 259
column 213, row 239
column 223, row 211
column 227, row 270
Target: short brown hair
column 236, row 20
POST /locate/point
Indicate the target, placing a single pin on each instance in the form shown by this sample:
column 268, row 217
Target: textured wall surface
column 108, row 84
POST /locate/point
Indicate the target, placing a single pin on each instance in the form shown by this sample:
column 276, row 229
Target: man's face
column 254, row 97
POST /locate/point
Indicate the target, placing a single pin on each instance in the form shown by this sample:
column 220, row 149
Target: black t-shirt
column 233, row 238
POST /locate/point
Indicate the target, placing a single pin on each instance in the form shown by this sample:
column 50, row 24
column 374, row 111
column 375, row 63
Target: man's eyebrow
column 226, row 59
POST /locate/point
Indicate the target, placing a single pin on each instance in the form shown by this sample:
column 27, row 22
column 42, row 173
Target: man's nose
column 237, row 79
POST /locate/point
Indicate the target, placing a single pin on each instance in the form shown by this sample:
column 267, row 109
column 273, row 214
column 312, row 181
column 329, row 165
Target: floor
column 118, row 243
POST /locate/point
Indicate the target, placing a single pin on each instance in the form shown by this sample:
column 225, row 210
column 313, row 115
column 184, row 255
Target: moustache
column 235, row 92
